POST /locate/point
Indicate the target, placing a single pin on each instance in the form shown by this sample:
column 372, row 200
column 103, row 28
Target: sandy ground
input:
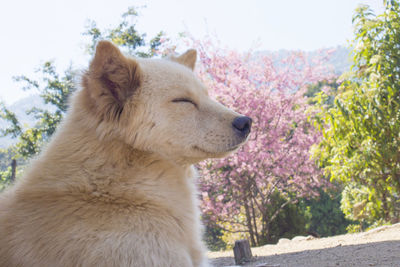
column 377, row 247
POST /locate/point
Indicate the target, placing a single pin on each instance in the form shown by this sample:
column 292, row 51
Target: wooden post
column 13, row 170
column 242, row 251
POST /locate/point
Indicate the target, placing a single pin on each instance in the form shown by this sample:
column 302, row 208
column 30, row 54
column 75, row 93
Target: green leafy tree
column 125, row 36
column 54, row 89
column 361, row 131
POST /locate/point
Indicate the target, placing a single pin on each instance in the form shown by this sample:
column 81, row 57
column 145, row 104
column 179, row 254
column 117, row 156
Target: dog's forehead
column 169, row 74
column 165, row 68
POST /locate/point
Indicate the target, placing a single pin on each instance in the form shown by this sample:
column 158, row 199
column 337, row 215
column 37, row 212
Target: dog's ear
column 188, row 58
column 111, row 80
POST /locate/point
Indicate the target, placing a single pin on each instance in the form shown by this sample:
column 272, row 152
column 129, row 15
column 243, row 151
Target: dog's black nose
column 242, row 125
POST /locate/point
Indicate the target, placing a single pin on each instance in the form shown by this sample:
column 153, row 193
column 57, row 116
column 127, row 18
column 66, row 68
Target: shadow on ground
column 386, row 253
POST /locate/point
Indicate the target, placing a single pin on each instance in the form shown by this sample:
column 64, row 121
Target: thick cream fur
column 115, row 186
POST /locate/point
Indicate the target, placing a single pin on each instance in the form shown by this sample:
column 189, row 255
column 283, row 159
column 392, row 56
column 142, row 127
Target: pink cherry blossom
column 270, row 90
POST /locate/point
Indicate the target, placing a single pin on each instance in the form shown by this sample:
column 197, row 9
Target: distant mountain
column 340, row 59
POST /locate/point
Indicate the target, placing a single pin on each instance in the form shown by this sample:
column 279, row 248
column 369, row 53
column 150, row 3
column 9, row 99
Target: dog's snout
column 242, row 125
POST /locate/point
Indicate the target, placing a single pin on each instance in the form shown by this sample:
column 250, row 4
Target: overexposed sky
column 35, row 31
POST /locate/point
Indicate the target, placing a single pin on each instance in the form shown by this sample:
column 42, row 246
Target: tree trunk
column 255, row 222
column 386, row 211
column 13, row 170
column 249, row 224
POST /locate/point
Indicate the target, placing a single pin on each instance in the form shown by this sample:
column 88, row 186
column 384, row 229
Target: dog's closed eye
column 184, row 100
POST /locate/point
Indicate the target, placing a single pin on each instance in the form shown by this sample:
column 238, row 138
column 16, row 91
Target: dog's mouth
column 218, row 151
column 213, row 153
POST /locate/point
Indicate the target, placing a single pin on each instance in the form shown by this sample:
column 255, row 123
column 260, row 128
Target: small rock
column 283, row 241
column 310, row 237
column 268, row 265
column 299, row 238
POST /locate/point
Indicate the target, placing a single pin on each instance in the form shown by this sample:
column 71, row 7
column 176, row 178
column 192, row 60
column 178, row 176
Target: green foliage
column 125, row 36
column 285, row 219
column 5, row 162
column 321, row 216
column 354, row 228
column 324, row 216
column 213, row 236
column 290, row 222
column 54, row 90
column 6, row 157
column 355, row 204
column 5, row 178
column 15, row 129
column 361, row 131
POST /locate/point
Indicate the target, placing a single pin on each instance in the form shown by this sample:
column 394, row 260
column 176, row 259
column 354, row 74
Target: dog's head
column 158, row 105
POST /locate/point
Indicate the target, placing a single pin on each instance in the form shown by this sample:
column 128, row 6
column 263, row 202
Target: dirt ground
column 377, row 247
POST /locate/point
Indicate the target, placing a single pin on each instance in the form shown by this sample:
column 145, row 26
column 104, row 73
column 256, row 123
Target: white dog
column 115, row 186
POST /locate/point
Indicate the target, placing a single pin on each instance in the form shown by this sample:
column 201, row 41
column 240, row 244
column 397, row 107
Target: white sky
column 35, row 31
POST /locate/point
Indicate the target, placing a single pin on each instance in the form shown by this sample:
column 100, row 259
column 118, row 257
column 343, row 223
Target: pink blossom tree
column 239, row 193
